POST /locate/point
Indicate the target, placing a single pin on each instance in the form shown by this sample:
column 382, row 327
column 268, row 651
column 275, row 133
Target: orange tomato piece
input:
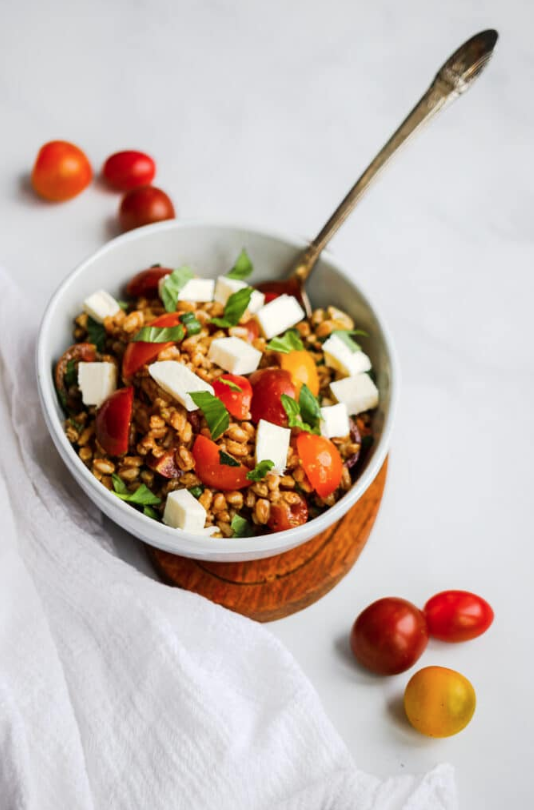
column 321, row 461
column 302, row 369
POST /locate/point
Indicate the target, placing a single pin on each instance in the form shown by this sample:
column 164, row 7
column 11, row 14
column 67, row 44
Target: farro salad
column 213, row 407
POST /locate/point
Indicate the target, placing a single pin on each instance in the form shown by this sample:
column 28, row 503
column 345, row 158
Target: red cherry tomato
column 288, row 516
column 253, row 330
column 61, row 171
column 139, row 353
column 113, row 420
column 237, row 402
column 270, row 296
column 143, row 206
column 389, row 636
column 146, row 282
column 321, row 461
column 129, row 169
column 210, row 470
column 165, row 464
column 457, row 615
column 268, row 385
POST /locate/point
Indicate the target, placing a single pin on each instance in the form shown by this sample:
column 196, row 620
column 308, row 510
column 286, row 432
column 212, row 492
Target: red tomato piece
column 268, row 385
column 139, row 353
column 253, row 330
column 288, row 516
column 457, row 616
column 143, row 206
column 165, row 465
column 389, row 636
column 113, row 420
column 321, row 461
column 211, row 472
column 270, row 296
column 129, row 169
column 61, row 171
column 237, row 403
column 146, row 282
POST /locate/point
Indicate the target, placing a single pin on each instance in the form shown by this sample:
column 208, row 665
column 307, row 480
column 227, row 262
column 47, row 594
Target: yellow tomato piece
column 439, row 702
column 302, row 369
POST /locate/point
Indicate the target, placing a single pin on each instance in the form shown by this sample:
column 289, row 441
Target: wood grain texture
column 270, row 589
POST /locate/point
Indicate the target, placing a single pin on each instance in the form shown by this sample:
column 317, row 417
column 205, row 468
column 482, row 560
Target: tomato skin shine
column 455, row 616
column 61, row 171
column 439, row 702
column 143, row 206
column 129, row 169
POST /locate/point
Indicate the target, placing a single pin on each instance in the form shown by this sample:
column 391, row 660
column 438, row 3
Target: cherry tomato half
column 389, row 636
column 253, row 330
column 303, row 370
column 139, row 353
column 211, row 472
column 61, row 171
column 457, row 616
column 439, row 702
column 268, row 385
column 146, row 282
column 237, row 402
column 143, row 206
column 129, row 169
column 287, row 516
column 321, row 461
column 113, row 418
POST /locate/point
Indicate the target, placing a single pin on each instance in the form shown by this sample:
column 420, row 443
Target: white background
column 266, row 113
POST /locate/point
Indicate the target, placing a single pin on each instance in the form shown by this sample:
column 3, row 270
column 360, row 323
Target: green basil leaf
column 346, row 336
column 96, row 333
column 71, row 374
column 309, row 408
column 227, row 460
column 173, row 285
column 142, row 496
column 235, row 307
column 214, row 411
column 151, row 513
column 242, row 268
column 118, row 485
column 290, row 342
column 191, row 323
column 123, row 305
column 292, row 409
column 241, row 527
column 197, row 491
column 231, row 385
column 260, row 470
column 156, row 334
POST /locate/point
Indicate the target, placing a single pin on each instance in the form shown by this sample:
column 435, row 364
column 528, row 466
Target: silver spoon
column 457, row 74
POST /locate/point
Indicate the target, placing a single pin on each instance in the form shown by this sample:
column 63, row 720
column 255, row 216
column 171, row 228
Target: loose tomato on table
column 143, row 206
column 61, row 171
column 301, row 366
column 138, row 353
column 268, row 385
column 113, row 419
column 129, row 169
column 211, row 472
column 321, row 462
column 237, row 402
column 146, row 282
column 457, row 616
column 288, row 515
column 389, row 636
column 439, row 702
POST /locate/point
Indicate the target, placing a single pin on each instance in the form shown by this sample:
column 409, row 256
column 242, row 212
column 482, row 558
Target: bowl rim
column 166, row 539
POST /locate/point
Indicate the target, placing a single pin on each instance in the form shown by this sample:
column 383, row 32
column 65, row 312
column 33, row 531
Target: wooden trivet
column 270, row 589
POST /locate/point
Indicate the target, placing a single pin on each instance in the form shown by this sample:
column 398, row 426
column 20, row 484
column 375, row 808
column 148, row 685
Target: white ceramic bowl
column 210, row 247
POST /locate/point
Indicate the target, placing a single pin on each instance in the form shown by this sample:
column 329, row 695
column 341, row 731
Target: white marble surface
column 265, row 112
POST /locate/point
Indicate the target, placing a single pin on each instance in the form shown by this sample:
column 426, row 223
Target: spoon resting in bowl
column 454, row 78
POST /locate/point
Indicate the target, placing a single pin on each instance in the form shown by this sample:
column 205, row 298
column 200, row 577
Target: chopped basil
column 346, row 336
column 71, row 374
column 156, row 334
column 231, row 385
column 142, row 496
column 241, row 527
column 294, row 418
column 310, row 408
column 242, row 268
column 197, row 491
column 214, row 412
column 260, row 470
column 96, row 333
column 151, row 513
column 191, row 323
column 235, row 307
column 290, row 342
column 76, row 425
column 123, row 305
column 173, row 285
column 227, row 460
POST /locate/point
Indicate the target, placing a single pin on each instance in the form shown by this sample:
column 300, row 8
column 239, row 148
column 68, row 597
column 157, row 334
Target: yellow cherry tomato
column 439, row 702
column 302, row 369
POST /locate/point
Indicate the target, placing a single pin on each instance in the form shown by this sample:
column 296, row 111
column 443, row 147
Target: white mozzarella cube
column 335, row 421
column 197, row 290
column 279, row 315
column 183, row 511
column 225, row 287
column 100, row 305
column 234, row 355
column 97, row 382
column 339, row 356
column 178, row 381
column 272, row 443
column 359, row 393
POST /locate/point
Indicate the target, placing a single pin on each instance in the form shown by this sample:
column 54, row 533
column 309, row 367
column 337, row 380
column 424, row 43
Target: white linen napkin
column 120, row 692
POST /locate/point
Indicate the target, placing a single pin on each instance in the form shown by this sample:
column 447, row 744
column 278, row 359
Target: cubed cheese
column 183, row 511
column 198, row 289
column 234, row 355
column 272, row 443
column 339, row 356
column 97, row 381
column 359, row 393
column 225, row 287
column 100, row 305
column 278, row 315
column 178, row 381
column 335, row 421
